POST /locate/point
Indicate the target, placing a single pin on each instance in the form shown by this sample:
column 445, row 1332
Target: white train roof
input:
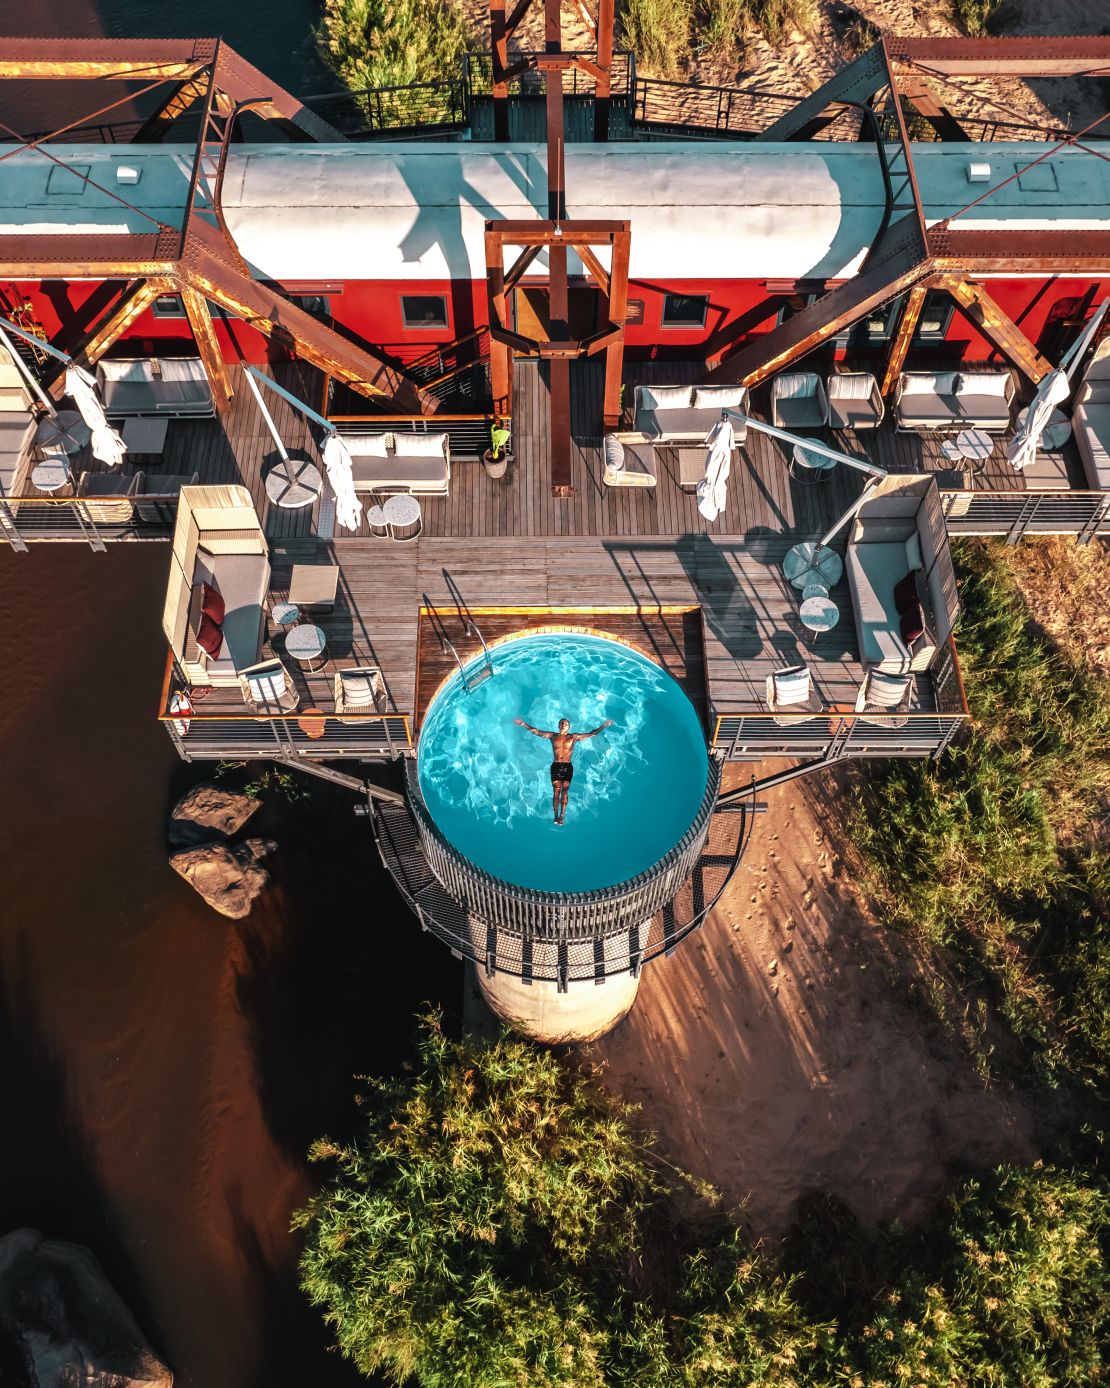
column 416, row 211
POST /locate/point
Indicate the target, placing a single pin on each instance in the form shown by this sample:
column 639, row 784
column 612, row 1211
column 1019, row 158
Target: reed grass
column 391, row 43
column 974, row 16
column 989, row 855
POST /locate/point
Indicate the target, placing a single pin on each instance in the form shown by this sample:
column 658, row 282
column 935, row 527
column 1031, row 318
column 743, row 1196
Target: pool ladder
column 484, row 670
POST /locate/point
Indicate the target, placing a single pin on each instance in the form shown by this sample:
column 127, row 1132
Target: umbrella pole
column 268, row 420
column 22, row 367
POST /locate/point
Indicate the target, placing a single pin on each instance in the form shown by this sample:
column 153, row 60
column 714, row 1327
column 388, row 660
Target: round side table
column 377, row 521
column 307, row 644
column 976, row 446
column 65, row 430
column 808, row 563
column 312, row 722
column 297, row 487
column 285, row 614
column 52, row 474
column 819, row 614
column 814, row 590
column 402, row 512
column 808, row 467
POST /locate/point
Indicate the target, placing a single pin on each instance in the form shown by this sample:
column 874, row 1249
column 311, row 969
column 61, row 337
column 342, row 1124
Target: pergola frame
column 198, row 260
column 908, row 254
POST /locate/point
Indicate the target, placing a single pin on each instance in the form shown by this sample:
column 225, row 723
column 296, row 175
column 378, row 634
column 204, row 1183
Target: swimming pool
column 637, row 786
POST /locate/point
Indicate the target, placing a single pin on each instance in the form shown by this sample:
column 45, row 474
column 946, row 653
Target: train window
column 169, row 306
column 424, row 310
column 936, row 315
column 685, row 310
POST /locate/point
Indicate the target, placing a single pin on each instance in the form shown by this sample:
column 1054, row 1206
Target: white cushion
column 853, row 386
column 420, row 445
column 131, row 371
column 982, row 383
column 928, row 383
column 613, row 451
column 358, row 690
column 913, row 552
column 720, row 397
column 791, row 687
column 367, row 445
column 795, row 386
column 667, row 397
column 268, row 686
column 886, row 690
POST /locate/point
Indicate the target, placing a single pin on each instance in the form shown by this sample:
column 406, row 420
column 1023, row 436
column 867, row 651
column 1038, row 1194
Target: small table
column 65, row 430
column 52, row 474
column 402, row 512
column 691, row 466
column 312, row 586
column 809, row 563
column 976, row 446
column 1056, row 432
column 298, row 486
column 814, row 590
column 285, row 614
column 819, row 613
column 145, row 434
column 306, row 643
column 376, row 520
column 805, row 461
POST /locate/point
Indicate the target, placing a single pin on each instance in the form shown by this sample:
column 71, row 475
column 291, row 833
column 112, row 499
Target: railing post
column 10, row 530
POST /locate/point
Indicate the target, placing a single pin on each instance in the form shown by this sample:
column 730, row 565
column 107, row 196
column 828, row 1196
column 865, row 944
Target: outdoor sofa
column 1091, row 419
column 950, row 400
column 17, row 425
column 218, row 541
column 900, row 577
column 685, row 414
column 396, row 462
column 168, row 386
column 629, row 461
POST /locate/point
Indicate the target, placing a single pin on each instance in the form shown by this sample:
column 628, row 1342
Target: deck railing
column 556, row 916
column 753, row 736
column 1014, row 514
column 94, row 520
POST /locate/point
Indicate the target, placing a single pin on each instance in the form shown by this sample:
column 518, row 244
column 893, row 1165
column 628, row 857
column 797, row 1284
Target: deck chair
column 884, row 699
column 792, row 696
column 629, row 461
column 359, row 691
column 798, row 401
column 855, row 401
column 267, row 688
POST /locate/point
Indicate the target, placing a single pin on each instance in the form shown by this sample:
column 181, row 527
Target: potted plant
column 498, row 455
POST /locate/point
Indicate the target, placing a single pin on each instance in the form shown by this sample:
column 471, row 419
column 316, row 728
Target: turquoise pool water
column 636, row 789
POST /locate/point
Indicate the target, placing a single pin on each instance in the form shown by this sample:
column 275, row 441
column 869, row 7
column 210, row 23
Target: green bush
column 982, row 853
column 658, row 33
column 391, row 43
column 974, row 16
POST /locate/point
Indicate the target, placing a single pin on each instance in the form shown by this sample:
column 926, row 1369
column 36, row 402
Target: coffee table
column 306, row 644
column 819, row 613
column 52, row 474
column 976, row 446
column 145, row 433
column 298, row 486
column 1056, row 432
column 402, row 513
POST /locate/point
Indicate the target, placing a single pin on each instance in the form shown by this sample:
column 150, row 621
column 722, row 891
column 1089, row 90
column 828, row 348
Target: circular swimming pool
column 636, row 787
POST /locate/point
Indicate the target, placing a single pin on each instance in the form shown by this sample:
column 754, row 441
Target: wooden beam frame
column 903, row 336
column 996, row 326
column 204, row 335
column 134, row 302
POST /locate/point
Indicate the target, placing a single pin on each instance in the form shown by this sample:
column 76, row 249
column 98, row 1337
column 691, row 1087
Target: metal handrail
column 560, row 915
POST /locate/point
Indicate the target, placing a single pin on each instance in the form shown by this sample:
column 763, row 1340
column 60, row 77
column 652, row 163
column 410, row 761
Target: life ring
column 179, row 703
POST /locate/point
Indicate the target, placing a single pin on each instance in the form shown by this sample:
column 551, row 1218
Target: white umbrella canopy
column 712, row 490
column 1053, row 390
column 106, row 444
column 340, row 469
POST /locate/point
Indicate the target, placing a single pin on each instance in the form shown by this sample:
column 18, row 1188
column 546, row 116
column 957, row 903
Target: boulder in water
column 209, row 811
column 228, row 877
column 62, row 1323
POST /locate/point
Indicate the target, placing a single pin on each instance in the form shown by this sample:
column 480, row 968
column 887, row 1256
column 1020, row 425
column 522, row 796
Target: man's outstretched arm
column 581, row 737
column 538, row 731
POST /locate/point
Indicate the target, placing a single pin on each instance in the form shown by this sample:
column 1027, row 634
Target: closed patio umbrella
column 1052, row 391
column 337, row 461
column 106, row 444
column 712, row 490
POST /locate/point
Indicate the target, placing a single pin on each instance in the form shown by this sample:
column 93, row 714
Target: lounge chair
column 951, row 400
column 17, row 426
column 685, row 414
column 164, row 490
column 359, row 691
column 855, row 401
column 267, row 688
column 798, row 401
column 108, row 496
column 883, row 699
column 792, row 696
column 629, row 461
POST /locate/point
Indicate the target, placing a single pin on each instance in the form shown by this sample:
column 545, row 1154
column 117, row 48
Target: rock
column 207, row 811
column 229, row 878
column 63, row 1325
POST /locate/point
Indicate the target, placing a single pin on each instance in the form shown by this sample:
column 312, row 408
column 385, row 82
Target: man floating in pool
column 561, row 770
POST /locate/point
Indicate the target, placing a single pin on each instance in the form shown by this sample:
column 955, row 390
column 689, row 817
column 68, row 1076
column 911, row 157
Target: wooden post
column 618, row 312
column 500, row 357
column 907, row 325
column 204, row 334
column 136, row 301
column 558, row 298
column 603, row 87
column 499, row 88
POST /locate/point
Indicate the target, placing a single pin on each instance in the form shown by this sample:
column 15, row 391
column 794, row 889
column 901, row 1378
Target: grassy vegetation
column 501, row 1222
column 974, row 16
column 663, row 33
column 989, row 854
column 391, row 43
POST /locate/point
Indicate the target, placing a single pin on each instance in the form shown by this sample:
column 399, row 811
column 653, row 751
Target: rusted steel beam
column 558, row 289
column 184, row 95
column 995, row 325
column 95, row 256
column 1033, row 56
column 618, row 312
column 499, row 87
column 907, row 326
column 559, row 409
column 593, row 265
column 136, row 301
column 543, row 233
column 500, row 357
column 857, row 82
column 82, row 59
column 242, row 81
column 1022, row 252
column 204, row 335
column 520, row 265
column 939, row 117
column 603, row 31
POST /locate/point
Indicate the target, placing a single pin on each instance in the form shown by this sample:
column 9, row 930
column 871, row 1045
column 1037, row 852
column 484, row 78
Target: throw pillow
column 928, row 383
column 912, row 624
column 212, row 603
column 720, row 397
column 905, row 592
column 209, row 636
column 358, row 691
column 666, row 397
column 851, row 386
column 613, row 451
column 983, row 383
